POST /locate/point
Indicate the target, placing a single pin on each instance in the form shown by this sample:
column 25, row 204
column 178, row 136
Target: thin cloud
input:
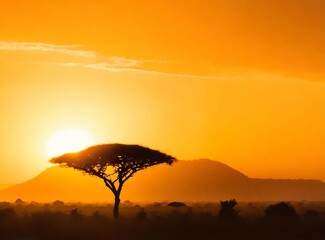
column 122, row 62
column 45, row 47
column 104, row 66
column 111, row 64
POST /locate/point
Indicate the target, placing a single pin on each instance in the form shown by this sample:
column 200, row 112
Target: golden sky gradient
column 242, row 82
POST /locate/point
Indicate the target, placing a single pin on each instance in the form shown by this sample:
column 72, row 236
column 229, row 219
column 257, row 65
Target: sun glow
column 68, row 140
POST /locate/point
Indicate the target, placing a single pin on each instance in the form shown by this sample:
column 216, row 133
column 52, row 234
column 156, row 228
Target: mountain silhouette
column 196, row 180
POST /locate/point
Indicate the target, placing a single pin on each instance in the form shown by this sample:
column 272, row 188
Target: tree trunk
column 116, row 206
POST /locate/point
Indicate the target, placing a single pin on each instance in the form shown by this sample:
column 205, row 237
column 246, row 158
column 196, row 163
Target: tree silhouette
column 228, row 210
column 114, row 163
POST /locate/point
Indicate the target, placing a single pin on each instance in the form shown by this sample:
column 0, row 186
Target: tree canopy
column 114, row 163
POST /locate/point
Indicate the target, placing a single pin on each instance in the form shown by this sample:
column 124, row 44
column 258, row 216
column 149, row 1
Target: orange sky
column 241, row 82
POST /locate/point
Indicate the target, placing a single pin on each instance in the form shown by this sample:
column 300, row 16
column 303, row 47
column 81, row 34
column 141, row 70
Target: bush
column 228, row 209
column 58, row 203
column 176, row 204
column 280, row 210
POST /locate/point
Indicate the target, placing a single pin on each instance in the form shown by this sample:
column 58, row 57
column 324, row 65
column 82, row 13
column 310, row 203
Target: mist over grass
column 157, row 220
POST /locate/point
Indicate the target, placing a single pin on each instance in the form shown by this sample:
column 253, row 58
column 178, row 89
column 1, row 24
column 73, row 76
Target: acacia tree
column 114, row 163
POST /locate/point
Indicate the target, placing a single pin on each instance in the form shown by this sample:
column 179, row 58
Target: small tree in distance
column 114, row 163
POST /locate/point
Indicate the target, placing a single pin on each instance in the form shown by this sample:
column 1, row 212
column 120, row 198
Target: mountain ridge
column 186, row 180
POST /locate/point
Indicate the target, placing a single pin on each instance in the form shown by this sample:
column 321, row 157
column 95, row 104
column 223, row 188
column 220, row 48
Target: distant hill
column 196, row 180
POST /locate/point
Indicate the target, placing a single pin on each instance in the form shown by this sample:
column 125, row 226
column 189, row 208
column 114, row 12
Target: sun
column 68, row 140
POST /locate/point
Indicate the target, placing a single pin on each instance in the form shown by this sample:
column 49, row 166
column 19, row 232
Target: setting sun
column 68, row 140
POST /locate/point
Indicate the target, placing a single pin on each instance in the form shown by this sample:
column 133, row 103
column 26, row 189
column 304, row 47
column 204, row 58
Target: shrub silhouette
column 228, row 209
column 114, row 163
column 280, row 210
column 19, row 201
column 159, row 223
column 176, row 204
column 141, row 215
column 75, row 213
column 128, row 203
column 58, row 203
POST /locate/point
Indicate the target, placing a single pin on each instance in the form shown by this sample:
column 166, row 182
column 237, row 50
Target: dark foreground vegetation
column 224, row 220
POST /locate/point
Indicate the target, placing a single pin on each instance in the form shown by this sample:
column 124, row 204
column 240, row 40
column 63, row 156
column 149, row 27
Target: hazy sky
column 242, row 82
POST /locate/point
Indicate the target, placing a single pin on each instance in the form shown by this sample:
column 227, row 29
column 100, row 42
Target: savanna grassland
column 257, row 220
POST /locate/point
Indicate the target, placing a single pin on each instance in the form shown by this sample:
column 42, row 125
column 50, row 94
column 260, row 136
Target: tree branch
column 110, row 185
column 126, row 177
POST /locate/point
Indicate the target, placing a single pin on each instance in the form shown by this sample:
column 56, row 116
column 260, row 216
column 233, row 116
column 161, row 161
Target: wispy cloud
column 121, row 62
column 45, row 47
column 94, row 60
column 112, row 64
column 104, row 66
